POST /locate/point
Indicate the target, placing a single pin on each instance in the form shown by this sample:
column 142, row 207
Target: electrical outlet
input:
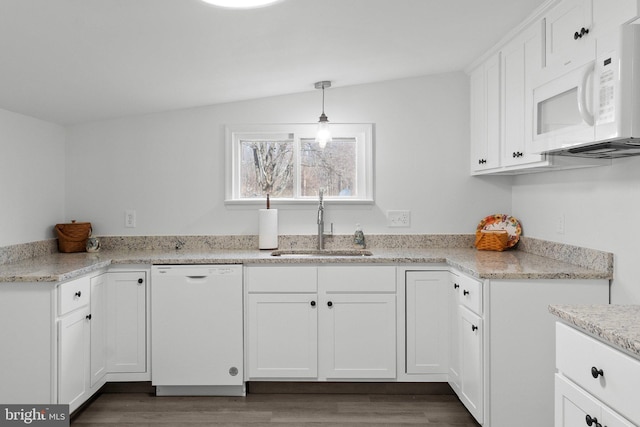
column 399, row 218
column 130, row 218
column 560, row 224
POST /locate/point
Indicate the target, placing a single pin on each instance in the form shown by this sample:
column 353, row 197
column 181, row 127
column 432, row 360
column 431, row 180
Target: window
column 285, row 162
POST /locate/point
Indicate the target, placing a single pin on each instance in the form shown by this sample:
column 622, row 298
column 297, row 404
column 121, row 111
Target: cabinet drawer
column 73, row 295
column 290, row 279
column 470, row 293
column 577, row 354
column 367, row 279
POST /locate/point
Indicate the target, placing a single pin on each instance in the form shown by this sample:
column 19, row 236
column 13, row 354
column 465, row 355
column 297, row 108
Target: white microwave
column 593, row 110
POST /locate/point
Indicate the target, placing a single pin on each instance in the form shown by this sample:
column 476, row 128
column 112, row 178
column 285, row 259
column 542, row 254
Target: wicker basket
column 492, row 240
column 73, row 237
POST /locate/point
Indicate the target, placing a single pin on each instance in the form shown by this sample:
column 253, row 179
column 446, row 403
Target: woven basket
column 73, row 237
column 492, row 241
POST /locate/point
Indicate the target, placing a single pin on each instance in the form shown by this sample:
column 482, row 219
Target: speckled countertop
column 616, row 325
column 481, row 264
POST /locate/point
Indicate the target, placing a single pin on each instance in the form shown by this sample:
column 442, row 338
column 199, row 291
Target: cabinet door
column 454, row 341
column 73, row 358
column 127, row 326
column 427, row 322
column 282, row 335
column 485, row 115
column 607, row 18
column 471, row 363
column 563, row 47
column 357, row 336
column 98, row 330
column 521, row 59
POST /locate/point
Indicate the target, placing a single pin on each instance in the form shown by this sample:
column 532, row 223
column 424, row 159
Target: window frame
column 361, row 132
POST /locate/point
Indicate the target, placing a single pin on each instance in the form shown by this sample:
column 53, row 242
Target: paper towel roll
column 268, row 237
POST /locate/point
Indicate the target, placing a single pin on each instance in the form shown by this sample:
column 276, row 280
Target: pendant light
column 323, row 135
column 241, row 4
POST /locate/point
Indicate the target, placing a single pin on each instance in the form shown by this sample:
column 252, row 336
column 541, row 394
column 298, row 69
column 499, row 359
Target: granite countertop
column 616, row 325
column 481, row 264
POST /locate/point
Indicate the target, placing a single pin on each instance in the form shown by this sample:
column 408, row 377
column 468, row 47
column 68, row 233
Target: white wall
column 170, row 167
column 599, row 207
column 32, row 186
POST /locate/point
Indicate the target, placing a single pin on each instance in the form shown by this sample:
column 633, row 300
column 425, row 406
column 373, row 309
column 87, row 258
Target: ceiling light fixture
column 241, row 4
column 323, row 135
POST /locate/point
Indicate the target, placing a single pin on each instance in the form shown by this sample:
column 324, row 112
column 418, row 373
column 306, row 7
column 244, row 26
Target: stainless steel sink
column 322, row 252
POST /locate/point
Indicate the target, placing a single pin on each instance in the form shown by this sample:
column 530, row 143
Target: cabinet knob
column 474, row 328
column 595, row 372
column 456, row 286
column 88, row 316
column 330, row 304
column 313, row 303
column 78, row 294
column 465, row 292
column 514, row 155
column 140, row 281
column 592, row 421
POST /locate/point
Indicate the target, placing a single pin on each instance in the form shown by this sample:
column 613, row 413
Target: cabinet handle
column 592, row 421
column 579, row 34
column 330, row 304
column 140, row 281
column 456, row 286
column 78, row 294
column 465, row 292
column 482, row 161
column 88, row 316
column 474, row 328
column 595, row 372
column 313, row 303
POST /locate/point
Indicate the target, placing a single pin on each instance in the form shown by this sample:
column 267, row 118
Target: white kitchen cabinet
column 282, row 331
column 74, row 337
column 594, row 379
column 126, row 297
column 454, row 326
column 357, row 322
column 576, row 408
column 471, row 362
column 428, row 322
column 485, row 115
column 569, row 34
column 326, row 322
column 521, row 61
column 98, row 329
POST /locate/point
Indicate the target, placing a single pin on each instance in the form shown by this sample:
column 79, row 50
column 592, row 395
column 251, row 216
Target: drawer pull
column 465, row 292
column 78, row 294
column 595, row 373
column 592, row 421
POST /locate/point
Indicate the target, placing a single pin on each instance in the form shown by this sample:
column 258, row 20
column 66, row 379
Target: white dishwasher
column 196, row 330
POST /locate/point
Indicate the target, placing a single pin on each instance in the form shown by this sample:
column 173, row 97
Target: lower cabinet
column 67, row 357
column 471, row 362
column 321, row 322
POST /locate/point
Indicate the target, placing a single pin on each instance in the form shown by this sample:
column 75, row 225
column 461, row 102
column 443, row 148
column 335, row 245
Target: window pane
column 332, row 168
column 266, row 167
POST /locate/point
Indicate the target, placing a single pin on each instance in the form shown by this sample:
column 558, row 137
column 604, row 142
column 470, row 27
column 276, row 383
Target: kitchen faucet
column 321, row 221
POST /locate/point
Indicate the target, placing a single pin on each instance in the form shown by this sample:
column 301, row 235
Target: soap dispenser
column 358, row 238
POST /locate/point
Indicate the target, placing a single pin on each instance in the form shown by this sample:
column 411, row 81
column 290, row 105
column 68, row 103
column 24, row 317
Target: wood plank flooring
column 141, row 409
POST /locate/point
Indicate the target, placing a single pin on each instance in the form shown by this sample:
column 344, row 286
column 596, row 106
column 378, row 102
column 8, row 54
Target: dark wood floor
column 257, row 409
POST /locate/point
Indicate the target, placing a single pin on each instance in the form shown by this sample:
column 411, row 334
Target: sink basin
column 322, row 252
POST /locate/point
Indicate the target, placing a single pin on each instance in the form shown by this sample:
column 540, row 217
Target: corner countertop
column 616, row 325
column 480, row 264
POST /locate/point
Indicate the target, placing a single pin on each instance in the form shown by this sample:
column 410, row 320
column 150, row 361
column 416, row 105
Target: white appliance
column 197, row 330
column 593, row 110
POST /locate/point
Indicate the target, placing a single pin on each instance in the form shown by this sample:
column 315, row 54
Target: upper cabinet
column 559, row 38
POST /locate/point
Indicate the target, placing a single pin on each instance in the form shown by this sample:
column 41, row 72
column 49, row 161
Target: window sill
column 293, row 204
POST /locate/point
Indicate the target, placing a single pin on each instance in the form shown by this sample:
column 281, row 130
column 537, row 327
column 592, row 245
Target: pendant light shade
column 323, row 134
column 240, row 4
